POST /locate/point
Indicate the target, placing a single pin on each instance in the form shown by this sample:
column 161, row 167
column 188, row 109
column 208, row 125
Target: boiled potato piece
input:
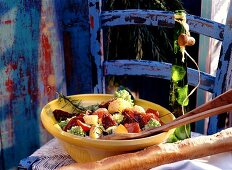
column 95, row 132
column 91, row 119
column 118, row 105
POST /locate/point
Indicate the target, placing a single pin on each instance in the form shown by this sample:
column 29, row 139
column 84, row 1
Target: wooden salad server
column 218, row 105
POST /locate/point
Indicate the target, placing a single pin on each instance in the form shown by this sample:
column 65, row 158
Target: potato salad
column 117, row 115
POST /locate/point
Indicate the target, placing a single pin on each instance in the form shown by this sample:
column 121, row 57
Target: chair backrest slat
column 96, row 47
column 223, row 79
column 161, row 19
column 155, row 69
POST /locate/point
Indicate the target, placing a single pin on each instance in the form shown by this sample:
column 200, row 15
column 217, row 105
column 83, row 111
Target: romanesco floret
column 77, row 130
column 63, row 123
column 118, row 118
column 124, row 95
column 152, row 123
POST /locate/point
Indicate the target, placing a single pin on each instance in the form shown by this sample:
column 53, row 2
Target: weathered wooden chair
column 214, row 84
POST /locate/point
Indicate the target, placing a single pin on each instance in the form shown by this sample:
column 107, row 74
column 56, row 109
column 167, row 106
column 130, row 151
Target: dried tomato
column 108, row 121
column 129, row 112
column 71, row 123
column 100, row 112
column 129, row 116
column 155, row 116
column 62, row 115
column 147, row 117
column 80, row 117
column 139, row 119
column 132, row 127
column 155, row 112
column 84, row 126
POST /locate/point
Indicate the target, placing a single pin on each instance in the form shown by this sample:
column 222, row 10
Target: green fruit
column 182, row 132
column 172, row 138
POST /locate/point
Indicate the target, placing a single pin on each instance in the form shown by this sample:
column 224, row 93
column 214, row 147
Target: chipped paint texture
column 51, row 62
column 223, row 74
column 96, row 49
column 31, row 68
column 155, row 69
column 144, row 17
column 161, row 19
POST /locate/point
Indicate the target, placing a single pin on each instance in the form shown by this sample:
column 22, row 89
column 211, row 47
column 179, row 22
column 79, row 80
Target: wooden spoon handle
column 195, row 117
column 223, row 99
column 180, row 122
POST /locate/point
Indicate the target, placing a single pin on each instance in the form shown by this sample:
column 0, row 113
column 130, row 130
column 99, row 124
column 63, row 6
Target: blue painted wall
column 44, row 48
column 18, row 84
column 32, row 70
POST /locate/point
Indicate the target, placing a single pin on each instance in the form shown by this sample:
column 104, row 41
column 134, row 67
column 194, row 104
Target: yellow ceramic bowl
column 85, row 149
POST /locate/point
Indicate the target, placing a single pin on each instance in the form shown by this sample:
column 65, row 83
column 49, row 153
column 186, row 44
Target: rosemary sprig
column 76, row 104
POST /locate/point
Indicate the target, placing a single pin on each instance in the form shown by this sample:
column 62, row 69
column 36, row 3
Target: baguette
column 157, row 155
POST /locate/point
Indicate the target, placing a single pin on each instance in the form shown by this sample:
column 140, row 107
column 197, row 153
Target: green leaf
column 178, row 73
column 182, row 93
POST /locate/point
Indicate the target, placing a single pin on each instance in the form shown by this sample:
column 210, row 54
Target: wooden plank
column 162, row 19
column 223, row 77
column 229, row 70
column 96, row 49
column 75, row 29
column 155, row 69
